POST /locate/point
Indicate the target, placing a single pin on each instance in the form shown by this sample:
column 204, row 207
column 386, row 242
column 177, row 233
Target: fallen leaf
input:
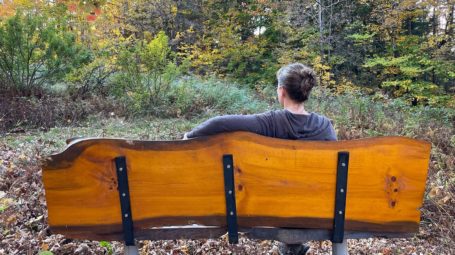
column 435, row 191
column 5, row 203
column 31, row 221
column 444, row 200
column 45, row 247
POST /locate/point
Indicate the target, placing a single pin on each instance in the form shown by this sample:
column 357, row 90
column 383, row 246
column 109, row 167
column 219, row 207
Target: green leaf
column 45, row 253
column 361, row 38
column 107, row 245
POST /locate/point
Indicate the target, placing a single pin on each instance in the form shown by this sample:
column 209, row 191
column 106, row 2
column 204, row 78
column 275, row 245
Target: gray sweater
column 279, row 124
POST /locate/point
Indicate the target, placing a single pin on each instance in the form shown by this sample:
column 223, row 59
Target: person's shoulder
column 328, row 128
column 321, row 117
column 270, row 113
column 318, row 115
column 274, row 111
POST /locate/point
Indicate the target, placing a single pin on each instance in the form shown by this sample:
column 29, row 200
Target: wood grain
column 279, row 183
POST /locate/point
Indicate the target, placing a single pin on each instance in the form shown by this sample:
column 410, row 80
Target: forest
column 154, row 69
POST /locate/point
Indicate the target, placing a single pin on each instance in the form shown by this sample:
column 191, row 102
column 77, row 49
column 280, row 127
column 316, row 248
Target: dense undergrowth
column 187, row 97
column 23, row 226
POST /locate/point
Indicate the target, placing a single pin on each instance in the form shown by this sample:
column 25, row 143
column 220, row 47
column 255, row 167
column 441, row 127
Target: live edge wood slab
column 279, row 183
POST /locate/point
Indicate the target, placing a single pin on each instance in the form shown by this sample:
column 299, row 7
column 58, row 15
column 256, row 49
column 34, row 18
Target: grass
column 198, row 96
column 191, row 96
column 95, row 126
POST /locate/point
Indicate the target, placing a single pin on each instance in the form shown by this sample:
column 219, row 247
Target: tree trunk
column 435, row 19
column 321, row 28
column 449, row 23
column 330, row 30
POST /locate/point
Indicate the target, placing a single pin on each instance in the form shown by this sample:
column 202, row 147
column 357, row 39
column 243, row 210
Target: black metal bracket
column 340, row 197
column 229, row 189
column 124, row 193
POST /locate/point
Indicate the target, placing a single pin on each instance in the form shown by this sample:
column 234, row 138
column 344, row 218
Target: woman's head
column 297, row 80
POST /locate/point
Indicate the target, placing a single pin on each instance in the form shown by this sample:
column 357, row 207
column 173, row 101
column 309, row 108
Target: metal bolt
column 123, row 194
column 231, row 213
column 120, row 169
column 343, row 164
column 228, row 166
column 340, row 212
column 342, row 190
column 230, row 192
column 126, row 215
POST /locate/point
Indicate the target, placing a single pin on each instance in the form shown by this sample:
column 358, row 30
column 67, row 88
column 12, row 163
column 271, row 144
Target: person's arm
column 257, row 123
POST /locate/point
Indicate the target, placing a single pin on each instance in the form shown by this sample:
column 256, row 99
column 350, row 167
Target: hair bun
column 308, row 79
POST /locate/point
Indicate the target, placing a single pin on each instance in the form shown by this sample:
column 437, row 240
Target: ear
column 282, row 92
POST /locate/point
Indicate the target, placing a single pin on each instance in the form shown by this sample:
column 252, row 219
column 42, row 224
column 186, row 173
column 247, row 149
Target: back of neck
column 296, row 108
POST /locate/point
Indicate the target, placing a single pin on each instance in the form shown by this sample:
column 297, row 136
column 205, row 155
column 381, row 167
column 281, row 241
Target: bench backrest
column 276, row 183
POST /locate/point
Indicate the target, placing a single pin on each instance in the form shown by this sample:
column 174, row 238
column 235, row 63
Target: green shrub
column 91, row 78
column 146, row 70
column 148, row 84
column 35, row 51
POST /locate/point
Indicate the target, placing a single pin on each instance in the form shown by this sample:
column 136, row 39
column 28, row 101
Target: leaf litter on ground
column 23, row 215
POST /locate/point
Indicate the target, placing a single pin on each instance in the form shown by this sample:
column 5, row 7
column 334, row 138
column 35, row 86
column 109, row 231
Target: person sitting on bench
column 295, row 82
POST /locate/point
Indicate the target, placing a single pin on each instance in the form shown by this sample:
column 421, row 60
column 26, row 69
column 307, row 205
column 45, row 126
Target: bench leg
column 340, row 248
column 131, row 250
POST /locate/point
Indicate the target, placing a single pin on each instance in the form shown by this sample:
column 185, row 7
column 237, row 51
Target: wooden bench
column 291, row 191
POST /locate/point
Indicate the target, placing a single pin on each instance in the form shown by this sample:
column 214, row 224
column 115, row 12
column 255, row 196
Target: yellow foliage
column 323, row 71
column 174, row 10
column 346, row 86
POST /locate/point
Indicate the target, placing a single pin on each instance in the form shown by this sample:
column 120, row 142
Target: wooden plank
column 279, row 183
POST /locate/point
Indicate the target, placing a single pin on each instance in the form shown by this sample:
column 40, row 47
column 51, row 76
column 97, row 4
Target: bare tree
column 325, row 18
